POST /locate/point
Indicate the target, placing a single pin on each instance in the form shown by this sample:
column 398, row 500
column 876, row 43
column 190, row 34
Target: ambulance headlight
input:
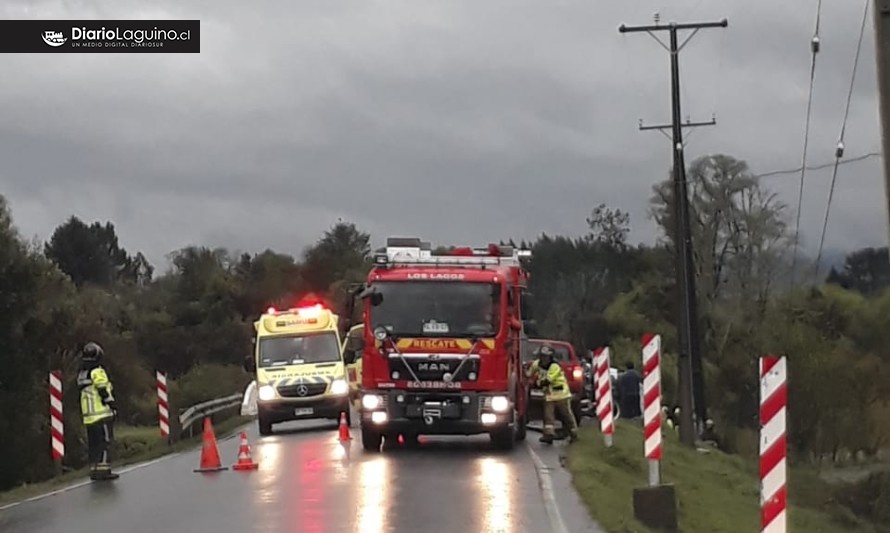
column 266, row 393
column 339, row 387
column 500, row 404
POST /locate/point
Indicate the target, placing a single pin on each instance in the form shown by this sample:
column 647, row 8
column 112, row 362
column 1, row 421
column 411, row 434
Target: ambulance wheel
column 371, row 440
column 265, row 427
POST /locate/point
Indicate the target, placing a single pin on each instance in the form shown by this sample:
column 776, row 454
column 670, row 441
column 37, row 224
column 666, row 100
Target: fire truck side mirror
column 249, row 364
column 355, row 344
column 376, row 299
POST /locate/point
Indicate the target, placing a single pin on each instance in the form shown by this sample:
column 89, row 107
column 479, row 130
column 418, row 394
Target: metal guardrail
column 203, row 409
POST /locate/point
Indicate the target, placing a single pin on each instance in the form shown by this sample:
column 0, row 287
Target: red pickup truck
column 571, row 365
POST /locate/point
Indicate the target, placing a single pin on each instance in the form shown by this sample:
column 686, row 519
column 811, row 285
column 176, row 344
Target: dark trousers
column 630, row 406
column 561, row 409
column 99, row 438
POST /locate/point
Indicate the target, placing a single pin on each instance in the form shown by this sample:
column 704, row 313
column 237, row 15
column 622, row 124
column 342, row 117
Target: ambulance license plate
column 537, row 393
column 303, row 411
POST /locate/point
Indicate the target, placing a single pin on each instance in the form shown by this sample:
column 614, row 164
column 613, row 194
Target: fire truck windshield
column 437, row 308
column 299, row 349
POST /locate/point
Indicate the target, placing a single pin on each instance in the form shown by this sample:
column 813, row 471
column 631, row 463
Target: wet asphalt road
column 306, row 483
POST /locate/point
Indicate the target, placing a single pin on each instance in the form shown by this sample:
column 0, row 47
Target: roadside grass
column 716, row 492
column 131, row 445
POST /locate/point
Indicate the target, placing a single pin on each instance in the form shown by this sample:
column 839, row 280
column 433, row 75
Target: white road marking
column 125, row 470
column 556, row 522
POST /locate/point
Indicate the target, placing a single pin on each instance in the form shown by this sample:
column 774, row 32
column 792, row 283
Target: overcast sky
column 457, row 121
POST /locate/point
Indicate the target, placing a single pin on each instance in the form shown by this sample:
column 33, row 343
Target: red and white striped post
column 652, row 405
column 163, row 408
column 56, row 422
column 604, row 394
column 773, row 444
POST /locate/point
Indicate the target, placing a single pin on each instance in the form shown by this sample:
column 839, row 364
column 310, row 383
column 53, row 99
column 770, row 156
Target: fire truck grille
column 434, row 369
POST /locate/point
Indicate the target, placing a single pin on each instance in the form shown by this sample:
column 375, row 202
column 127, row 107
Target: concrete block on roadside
column 656, row 507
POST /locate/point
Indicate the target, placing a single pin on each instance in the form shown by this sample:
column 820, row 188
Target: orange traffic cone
column 209, row 452
column 344, row 429
column 245, row 461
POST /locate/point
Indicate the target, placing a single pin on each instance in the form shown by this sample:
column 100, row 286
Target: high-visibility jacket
column 532, row 369
column 95, row 395
column 558, row 389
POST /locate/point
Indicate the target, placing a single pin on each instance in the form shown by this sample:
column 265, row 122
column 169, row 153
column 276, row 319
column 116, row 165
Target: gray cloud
column 457, row 121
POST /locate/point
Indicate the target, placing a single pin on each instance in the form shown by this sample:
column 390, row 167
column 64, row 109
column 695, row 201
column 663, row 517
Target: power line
column 856, row 159
column 839, row 153
column 814, row 47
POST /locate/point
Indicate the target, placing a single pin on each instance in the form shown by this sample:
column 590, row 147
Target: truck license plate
column 537, row 393
column 303, row 411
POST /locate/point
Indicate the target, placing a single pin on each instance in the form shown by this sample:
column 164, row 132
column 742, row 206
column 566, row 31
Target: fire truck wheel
column 522, row 422
column 371, row 440
column 504, row 438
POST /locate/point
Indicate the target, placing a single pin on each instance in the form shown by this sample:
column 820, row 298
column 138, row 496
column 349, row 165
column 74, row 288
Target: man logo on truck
column 433, row 366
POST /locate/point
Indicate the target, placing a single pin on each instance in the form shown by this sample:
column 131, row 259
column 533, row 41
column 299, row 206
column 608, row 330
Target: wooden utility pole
column 691, row 375
column 882, row 55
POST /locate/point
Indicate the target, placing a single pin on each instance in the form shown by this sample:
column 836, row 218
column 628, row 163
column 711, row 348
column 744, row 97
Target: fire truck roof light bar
column 413, row 251
column 384, row 260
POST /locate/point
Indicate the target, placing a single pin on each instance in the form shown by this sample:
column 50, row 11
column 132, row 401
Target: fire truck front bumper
column 433, row 413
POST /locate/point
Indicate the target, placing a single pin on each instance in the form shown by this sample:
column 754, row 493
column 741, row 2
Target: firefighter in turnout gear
column 557, row 396
column 98, row 410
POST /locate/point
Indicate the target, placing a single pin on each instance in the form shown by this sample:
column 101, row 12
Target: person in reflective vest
column 98, row 409
column 557, row 396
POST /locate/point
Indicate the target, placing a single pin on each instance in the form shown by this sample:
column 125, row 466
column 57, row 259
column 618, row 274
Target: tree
column 866, row 271
column 608, row 226
column 91, row 254
column 342, row 252
column 266, row 279
column 739, row 233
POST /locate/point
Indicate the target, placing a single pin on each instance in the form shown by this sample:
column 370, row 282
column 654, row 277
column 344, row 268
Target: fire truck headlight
column 339, row 387
column 380, row 333
column 500, row 404
column 370, row 401
column 266, row 393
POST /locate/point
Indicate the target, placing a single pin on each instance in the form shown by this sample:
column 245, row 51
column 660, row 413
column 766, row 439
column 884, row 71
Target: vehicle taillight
column 577, row 373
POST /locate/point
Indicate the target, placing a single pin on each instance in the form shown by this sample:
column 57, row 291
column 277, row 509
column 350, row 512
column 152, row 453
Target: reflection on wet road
column 307, row 483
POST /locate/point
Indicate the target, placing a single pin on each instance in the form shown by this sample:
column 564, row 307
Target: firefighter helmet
column 91, row 352
column 545, row 351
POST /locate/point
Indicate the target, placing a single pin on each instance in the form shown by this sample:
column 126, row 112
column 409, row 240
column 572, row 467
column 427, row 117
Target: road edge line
column 124, row 470
column 557, row 525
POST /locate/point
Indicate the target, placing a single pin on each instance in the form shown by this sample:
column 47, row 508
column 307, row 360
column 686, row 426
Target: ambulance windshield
column 299, row 349
column 437, row 308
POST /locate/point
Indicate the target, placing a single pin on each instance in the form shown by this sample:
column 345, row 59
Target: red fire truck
column 441, row 343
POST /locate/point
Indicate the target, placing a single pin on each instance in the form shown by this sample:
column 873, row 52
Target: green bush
column 206, row 382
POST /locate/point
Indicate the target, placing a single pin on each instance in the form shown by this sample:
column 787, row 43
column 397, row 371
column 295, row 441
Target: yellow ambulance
column 299, row 366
